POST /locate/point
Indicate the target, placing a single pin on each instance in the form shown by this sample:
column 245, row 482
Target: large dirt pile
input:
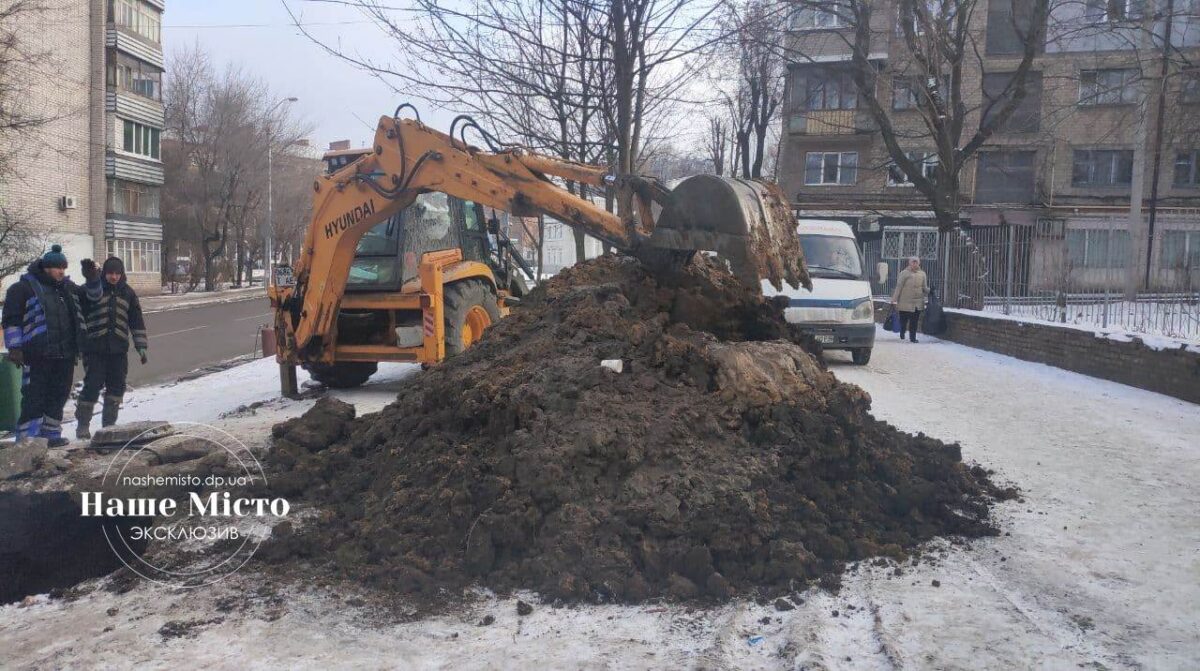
column 723, row 459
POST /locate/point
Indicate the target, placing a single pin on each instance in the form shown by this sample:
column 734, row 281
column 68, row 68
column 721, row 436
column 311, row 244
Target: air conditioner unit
column 66, row 203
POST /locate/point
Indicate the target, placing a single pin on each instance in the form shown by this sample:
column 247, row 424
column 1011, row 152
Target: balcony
column 121, row 40
column 135, row 108
column 826, row 122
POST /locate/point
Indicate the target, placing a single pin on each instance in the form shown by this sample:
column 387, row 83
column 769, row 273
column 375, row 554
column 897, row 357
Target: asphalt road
column 189, row 338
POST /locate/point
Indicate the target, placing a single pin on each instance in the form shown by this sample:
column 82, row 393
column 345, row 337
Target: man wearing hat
column 112, row 318
column 43, row 328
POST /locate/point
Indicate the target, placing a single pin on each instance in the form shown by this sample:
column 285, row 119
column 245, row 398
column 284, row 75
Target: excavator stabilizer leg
column 746, row 222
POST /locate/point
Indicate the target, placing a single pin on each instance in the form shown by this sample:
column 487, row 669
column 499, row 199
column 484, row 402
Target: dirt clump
column 723, row 459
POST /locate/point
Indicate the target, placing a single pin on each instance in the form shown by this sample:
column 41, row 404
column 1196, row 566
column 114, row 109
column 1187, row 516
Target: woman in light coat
column 912, row 287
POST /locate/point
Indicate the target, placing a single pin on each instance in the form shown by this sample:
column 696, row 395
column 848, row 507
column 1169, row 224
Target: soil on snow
column 723, row 460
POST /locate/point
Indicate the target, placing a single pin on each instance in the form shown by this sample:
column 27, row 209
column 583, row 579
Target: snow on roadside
column 1096, row 567
column 165, row 302
column 1114, row 333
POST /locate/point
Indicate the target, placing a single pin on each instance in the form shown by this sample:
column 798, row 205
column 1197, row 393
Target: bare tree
column 940, row 44
column 22, row 62
column 215, row 158
column 585, row 79
column 717, row 143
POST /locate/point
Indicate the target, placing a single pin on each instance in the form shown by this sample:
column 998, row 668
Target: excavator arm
column 410, row 158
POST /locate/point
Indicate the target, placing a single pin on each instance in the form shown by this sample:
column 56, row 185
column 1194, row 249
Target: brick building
column 90, row 178
column 1066, row 165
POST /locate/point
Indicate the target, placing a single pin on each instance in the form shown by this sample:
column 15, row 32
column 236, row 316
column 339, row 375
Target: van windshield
column 831, row 256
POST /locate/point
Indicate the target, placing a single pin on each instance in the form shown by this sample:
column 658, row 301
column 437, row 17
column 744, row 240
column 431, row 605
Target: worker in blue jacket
column 43, row 331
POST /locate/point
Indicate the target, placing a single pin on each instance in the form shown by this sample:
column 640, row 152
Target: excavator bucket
column 746, row 222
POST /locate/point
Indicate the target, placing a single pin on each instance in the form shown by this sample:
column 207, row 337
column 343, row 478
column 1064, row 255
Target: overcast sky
column 259, row 35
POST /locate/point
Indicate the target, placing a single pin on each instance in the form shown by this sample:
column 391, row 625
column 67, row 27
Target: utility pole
column 269, row 233
column 1160, row 121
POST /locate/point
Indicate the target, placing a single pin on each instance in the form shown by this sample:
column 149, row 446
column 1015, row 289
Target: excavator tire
column 471, row 307
column 342, row 375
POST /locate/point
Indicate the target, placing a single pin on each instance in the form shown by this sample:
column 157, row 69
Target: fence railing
column 1068, row 276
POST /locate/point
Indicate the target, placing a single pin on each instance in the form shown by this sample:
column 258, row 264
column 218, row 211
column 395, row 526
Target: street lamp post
column 269, row 234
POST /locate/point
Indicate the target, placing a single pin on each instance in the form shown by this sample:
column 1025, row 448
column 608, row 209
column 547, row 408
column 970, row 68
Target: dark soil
column 724, row 459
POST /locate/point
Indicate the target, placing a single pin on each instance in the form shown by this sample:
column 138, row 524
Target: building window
column 828, row 15
column 997, row 94
column 1102, row 167
column 1114, row 11
column 821, row 168
column 141, row 139
column 908, row 92
column 1009, row 26
column 1097, row 248
column 137, row 200
column 906, row 243
column 134, row 76
column 927, row 161
column 1108, row 87
column 937, row 13
column 1005, row 177
column 1190, row 88
column 138, row 18
column 139, row 256
column 1180, row 250
column 819, row 90
column 1187, row 168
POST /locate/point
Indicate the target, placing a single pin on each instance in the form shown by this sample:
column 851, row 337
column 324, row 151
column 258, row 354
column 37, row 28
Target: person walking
column 912, row 288
column 43, row 328
column 112, row 318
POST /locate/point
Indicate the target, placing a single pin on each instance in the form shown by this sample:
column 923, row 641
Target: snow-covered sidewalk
column 163, row 302
column 1096, row 567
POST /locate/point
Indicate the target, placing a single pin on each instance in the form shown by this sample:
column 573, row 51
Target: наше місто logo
column 203, row 516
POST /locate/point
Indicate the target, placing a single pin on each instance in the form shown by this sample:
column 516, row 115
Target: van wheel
column 471, row 307
column 861, row 355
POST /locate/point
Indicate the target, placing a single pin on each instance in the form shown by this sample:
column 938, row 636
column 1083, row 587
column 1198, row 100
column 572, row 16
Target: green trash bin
column 10, row 395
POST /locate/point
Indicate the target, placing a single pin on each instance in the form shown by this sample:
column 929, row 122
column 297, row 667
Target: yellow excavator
column 400, row 262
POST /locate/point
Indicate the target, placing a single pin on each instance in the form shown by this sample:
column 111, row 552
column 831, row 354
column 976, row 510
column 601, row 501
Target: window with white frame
column 826, row 168
column 1102, row 167
column 137, row 17
column 1097, row 248
column 1187, row 168
column 819, row 15
column 905, row 243
column 822, row 89
column 133, row 199
column 139, row 256
column 938, row 14
column 141, row 139
column 1116, row 86
column 1114, row 11
column 1180, row 250
column 926, row 162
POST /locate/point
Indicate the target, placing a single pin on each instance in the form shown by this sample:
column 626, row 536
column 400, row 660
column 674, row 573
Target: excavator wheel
column 342, row 375
column 471, row 307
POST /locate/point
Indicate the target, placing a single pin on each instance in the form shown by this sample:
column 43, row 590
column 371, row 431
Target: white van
column 838, row 311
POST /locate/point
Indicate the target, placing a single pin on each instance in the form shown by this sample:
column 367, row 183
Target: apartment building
column 90, row 177
column 1075, row 163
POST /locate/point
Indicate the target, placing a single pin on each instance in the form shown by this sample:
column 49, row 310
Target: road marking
column 265, row 314
column 194, row 328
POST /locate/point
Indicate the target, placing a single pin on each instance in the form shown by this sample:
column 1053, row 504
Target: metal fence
column 1089, row 276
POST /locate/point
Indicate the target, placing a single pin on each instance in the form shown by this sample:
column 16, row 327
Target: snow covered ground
column 1097, row 567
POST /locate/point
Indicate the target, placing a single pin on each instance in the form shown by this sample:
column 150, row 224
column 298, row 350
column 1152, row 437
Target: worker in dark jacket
column 43, row 328
column 112, row 318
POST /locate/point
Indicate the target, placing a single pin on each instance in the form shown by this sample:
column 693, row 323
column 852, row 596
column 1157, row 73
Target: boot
column 83, row 417
column 112, row 405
